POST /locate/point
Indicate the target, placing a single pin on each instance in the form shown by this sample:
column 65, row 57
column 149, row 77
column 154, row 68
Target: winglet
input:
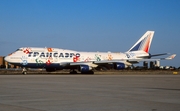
column 171, row 57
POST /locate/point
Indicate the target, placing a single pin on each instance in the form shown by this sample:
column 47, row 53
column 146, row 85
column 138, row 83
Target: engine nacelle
column 119, row 66
column 84, row 68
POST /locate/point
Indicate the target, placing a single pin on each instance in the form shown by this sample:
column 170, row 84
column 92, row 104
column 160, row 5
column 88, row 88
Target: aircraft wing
column 107, row 61
column 116, row 61
column 94, row 63
column 111, row 61
column 159, row 54
column 119, row 63
column 79, row 63
column 69, row 64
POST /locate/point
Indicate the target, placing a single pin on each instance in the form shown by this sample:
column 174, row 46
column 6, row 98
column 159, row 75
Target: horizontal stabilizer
column 171, row 57
column 149, row 56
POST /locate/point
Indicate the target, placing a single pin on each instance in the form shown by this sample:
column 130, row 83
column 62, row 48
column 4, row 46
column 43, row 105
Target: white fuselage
column 39, row 56
column 42, row 55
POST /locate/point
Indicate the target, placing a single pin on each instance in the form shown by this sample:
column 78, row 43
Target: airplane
column 53, row 59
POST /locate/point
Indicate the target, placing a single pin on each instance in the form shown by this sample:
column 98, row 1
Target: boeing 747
column 53, row 59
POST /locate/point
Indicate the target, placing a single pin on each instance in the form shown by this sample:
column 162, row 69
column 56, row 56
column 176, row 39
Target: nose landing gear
column 24, row 71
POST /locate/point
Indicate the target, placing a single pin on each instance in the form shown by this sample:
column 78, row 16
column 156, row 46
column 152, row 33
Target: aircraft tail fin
column 144, row 43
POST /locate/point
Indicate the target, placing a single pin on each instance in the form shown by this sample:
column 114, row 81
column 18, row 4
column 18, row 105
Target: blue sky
column 90, row 25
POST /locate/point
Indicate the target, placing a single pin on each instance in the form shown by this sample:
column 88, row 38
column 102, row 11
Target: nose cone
column 7, row 58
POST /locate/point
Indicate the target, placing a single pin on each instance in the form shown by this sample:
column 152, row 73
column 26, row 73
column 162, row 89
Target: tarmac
column 89, row 92
column 104, row 72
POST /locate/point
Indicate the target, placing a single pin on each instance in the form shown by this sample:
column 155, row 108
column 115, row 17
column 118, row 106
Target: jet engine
column 119, row 66
column 85, row 69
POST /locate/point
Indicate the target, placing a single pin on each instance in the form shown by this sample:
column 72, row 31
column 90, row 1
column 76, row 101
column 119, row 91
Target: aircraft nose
column 7, row 58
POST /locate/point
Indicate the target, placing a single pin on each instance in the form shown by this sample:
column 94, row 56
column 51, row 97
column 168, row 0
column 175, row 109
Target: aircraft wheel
column 73, row 72
column 89, row 72
column 25, row 72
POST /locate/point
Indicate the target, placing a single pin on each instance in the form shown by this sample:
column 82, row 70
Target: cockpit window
column 19, row 50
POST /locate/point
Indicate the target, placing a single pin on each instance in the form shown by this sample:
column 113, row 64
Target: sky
column 90, row 25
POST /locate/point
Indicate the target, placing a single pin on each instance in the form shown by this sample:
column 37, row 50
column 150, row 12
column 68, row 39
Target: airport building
column 4, row 64
column 152, row 64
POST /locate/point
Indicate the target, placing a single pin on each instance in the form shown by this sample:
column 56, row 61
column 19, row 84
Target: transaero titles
column 53, row 54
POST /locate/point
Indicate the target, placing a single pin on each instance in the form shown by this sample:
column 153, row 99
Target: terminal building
column 4, row 64
column 152, row 64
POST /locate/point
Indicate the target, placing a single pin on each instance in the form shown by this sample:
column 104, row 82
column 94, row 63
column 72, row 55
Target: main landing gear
column 72, row 71
column 88, row 72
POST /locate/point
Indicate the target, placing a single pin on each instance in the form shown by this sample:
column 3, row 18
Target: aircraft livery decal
column 98, row 57
column 49, row 49
column 39, row 62
column 53, row 54
column 24, row 60
column 76, row 58
column 26, row 50
column 48, row 62
column 110, row 57
column 87, row 59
